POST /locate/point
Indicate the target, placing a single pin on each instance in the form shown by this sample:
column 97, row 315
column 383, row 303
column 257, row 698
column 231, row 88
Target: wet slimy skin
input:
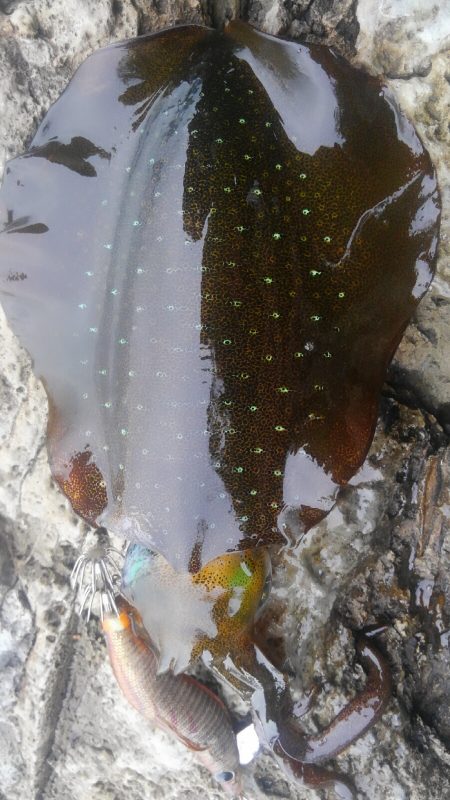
column 211, row 250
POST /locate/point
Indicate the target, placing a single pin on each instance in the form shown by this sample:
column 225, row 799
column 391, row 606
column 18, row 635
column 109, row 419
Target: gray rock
column 333, row 22
column 383, row 553
column 409, row 43
column 8, row 6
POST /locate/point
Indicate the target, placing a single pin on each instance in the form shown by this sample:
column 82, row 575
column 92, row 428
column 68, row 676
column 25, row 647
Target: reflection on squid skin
column 290, row 77
column 306, row 482
column 211, row 251
column 228, row 284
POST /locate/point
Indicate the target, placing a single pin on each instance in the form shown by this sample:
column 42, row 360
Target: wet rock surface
column 381, row 557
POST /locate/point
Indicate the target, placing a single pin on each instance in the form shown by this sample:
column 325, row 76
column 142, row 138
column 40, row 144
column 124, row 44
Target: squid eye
column 225, row 776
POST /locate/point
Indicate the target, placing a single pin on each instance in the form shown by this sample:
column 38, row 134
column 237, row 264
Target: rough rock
column 383, row 553
column 409, row 44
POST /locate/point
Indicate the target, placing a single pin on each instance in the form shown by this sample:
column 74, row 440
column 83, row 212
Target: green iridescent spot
column 253, row 408
column 277, row 472
column 258, row 192
column 283, row 389
column 268, row 280
column 240, row 228
column 236, row 303
column 278, row 166
column 280, row 428
column 257, row 450
column 327, row 239
column 247, row 157
column 314, row 273
column 306, row 211
column 302, row 176
column 274, row 505
column 190, row 188
column 219, row 141
column 242, row 576
column 319, row 387
column 276, row 236
column 238, row 469
column 253, row 331
column 303, row 238
column 253, row 492
column 298, row 354
column 315, row 318
column 228, row 402
column 268, row 124
column 327, row 354
column 341, row 294
column 226, row 341
column 227, row 189
column 275, row 315
column 268, row 357
column 242, row 121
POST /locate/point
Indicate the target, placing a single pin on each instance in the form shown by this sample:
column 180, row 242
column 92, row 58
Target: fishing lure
column 177, row 703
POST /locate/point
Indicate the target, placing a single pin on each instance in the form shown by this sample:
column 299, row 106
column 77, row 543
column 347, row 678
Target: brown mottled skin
column 233, row 234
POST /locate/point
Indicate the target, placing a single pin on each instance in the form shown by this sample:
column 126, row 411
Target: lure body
column 177, row 703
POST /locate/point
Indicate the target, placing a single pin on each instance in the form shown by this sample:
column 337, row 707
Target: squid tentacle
column 299, row 754
column 352, row 721
column 314, row 775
